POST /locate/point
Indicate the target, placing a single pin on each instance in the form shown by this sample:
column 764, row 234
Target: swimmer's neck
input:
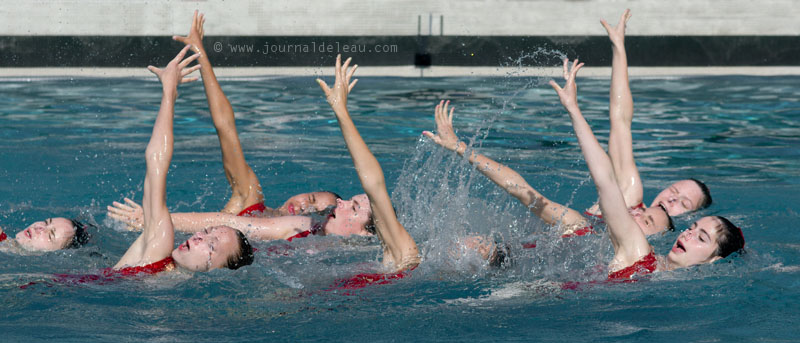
column 10, row 245
column 664, row 264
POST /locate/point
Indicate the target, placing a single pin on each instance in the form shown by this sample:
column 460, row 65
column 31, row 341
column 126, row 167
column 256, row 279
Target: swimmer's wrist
column 461, row 148
column 169, row 93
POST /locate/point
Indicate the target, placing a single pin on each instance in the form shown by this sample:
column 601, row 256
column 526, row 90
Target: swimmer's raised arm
column 157, row 238
column 400, row 250
column 245, row 187
column 627, row 238
column 550, row 212
column 260, row 228
column 620, row 115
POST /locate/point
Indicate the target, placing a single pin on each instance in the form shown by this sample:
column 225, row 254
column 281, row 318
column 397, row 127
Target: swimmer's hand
column 175, row 72
column 195, row 37
column 130, row 214
column 337, row 97
column 568, row 94
column 445, row 136
column 617, row 33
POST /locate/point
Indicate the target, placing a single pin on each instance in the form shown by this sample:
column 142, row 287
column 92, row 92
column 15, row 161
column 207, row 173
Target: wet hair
column 334, row 194
column 81, row 236
column 370, row 225
column 706, row 194
column 244, row 256
column 730, row 238
column 670, row 224
column 501, row 257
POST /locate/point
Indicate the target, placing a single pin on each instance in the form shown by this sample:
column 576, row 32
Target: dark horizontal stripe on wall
column 136, row 51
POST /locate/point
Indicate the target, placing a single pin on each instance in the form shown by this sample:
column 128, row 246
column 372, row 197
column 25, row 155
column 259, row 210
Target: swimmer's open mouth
column 679, row 245
column 332, row 214
column 186, row 244
column 28, row 233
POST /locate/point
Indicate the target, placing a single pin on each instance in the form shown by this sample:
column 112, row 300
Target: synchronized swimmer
column 222, row 239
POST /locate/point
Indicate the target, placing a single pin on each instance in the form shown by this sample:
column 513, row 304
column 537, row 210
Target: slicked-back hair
column 706, row 194
column 730, row 238
column 244, row 256
column 81, row 236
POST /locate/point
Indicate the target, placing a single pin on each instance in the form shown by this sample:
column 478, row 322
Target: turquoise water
column 70, row 147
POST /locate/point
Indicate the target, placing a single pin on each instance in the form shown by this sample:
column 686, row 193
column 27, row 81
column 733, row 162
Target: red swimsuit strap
column 587, row 230
column 645, row 265
column 253, row 210
column 366, row 279
column 598, row 216
column 3, row 236
column 152, row 268
column 303, row 234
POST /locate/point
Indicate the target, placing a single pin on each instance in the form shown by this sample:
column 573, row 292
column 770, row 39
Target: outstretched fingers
column 555, row 86
column 324, row 86
column 623, row 19
column 352, row 84
column 181, row 54
column 188, row 60
column 187, row 71
column 350, row 72
column 606, row 26
column 437, row 114
column 132, row 203
column 338, row 69
column 450, row 117
column 343, row 70
column 154, row 70
column 575, row 67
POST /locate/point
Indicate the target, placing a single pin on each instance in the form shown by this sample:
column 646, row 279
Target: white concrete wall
column 385, row 17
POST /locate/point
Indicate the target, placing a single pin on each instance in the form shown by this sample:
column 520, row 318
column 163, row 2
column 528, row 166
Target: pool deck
column 403, row 71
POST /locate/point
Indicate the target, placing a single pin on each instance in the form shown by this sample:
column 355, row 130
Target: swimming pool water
column 72, row 146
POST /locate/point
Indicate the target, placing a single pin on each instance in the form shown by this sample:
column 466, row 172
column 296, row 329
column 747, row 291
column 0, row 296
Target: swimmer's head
column 52, row 234
column 351, row 217
column 684, row 196
column 707, row 240
column 652, row 220
column 501, row 257
column 214, row 247
column 307, row 203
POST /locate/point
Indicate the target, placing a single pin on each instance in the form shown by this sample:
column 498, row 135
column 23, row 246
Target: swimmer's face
column 480, row 244
column 696, row 245
column 350, row 217
column 651, row 220
column 680, row 197
column 49, row 235
column 306, row 203
column 208, row 249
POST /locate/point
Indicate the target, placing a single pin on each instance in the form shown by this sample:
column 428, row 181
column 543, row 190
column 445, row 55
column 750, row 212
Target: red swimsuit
column 366, row 279
column 109, row 275
column 645, row 265
column 3, row 236
column 253, row 211
column 150, row 269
